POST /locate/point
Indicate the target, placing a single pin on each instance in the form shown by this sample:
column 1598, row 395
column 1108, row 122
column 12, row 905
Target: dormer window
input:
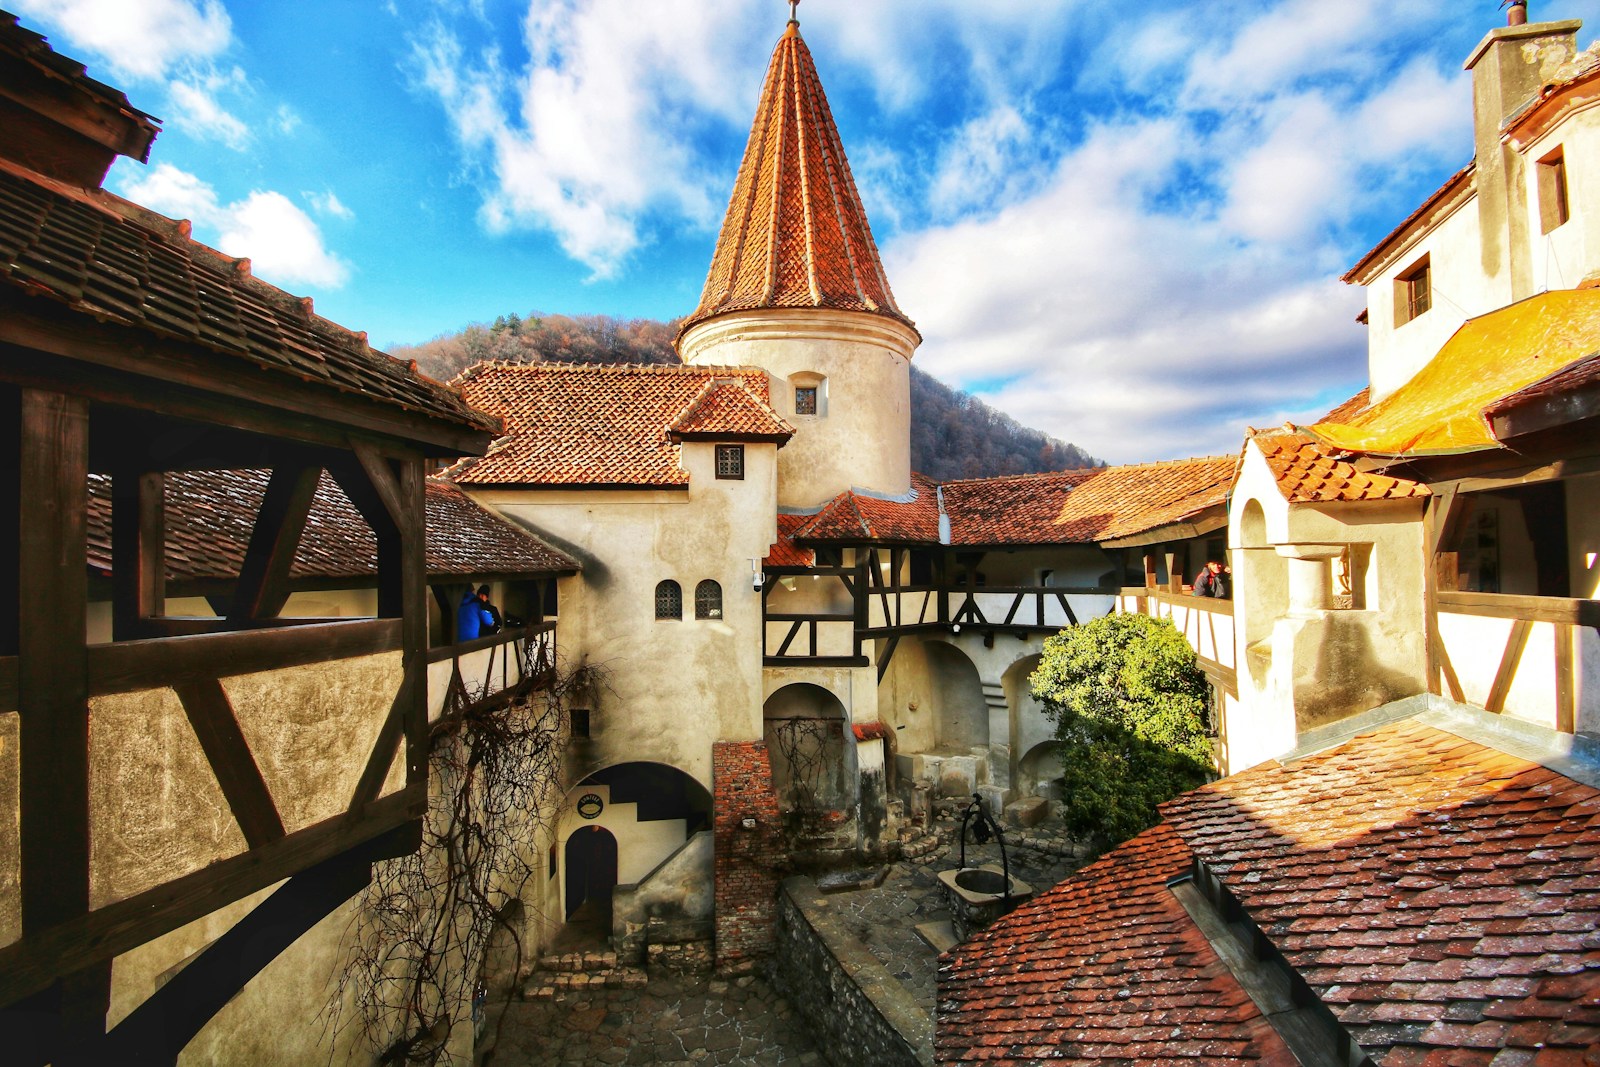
column 1553, row 208
column 1413, row 292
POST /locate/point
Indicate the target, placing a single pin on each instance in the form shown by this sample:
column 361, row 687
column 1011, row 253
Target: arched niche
column 804, row 727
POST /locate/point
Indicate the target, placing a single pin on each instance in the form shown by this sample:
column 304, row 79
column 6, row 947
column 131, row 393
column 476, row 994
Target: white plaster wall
column 672, row 687
column 1461, row 290
column 1564, row 256
column 1583, row 535
column 1476, row 645
column 864, row 438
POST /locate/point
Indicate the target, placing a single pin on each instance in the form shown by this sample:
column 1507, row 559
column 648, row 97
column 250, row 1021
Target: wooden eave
column 1455, row 192
column 1209, row 521
column 120, row 365
column 779, row 439
column 642, row 487
column 76, row 102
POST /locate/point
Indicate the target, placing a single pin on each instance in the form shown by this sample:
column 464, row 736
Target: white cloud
column 326, row 203
column 281, row 241
column 201, row 114
column 141, row 39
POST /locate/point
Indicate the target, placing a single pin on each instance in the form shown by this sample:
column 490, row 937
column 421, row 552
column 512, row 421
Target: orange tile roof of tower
column 796, row 235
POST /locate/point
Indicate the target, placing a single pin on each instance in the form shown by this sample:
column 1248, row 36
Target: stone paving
column 666, row 1019
column 698, row 1020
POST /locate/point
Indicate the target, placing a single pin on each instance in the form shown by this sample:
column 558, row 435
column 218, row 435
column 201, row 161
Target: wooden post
column 1566, row 682
column 53, row 695
column 1175, row 571
column 11, row 529
column 1435, row 518
column 138, row 551
column 414, row 597
column 1150, row 571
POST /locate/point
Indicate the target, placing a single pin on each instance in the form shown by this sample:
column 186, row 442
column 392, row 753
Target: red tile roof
column 1441, row 898
column 785, row 553
column 1308, row 475
column 608, row 425
column 726, row 411
column 857, row 517
column 112, row 261
column 1345, row 411
column 1107, row 966
column 1085, row 506
column 796, row 235
column 210, row 516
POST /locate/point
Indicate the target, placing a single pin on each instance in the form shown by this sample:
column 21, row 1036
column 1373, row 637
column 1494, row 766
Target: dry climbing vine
column 433, row 925
column 802, row 743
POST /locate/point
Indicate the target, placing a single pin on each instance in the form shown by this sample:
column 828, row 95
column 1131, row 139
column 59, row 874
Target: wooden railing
column 1522, row 654
column 511, row 661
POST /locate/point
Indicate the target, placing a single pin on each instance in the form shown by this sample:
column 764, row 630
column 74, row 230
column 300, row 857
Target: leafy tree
column 1130, row 706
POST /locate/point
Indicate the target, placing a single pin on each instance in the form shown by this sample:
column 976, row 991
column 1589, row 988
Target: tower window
column 708, row 600
column 1413, row 292
column 730, row 461
column 805, row 400
column 669, row 600
column 1553, row 207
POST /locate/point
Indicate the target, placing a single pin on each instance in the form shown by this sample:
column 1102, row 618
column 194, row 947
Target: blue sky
column 1121, row 223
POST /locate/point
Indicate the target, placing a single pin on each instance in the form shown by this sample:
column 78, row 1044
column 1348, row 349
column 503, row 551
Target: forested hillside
column 953, row 435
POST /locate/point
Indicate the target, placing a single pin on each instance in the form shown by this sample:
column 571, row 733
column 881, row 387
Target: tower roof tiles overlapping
column 796, row 234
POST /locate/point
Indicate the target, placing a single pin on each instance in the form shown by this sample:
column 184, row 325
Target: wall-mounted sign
column 590, row 805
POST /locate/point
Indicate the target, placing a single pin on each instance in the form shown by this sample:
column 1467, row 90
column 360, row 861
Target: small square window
column 1553, row 207
column 730, row 461
column 1413, row 292
column 805, row 400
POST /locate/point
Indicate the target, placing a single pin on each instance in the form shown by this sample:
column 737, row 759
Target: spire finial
column 794, row 12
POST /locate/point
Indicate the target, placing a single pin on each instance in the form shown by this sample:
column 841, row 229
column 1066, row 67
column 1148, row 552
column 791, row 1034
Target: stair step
column 578, row 962
column 551, row 985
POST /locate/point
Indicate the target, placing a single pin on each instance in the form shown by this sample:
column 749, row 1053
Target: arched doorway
column 591, row 861
column 960, row 708
column 803, row 726
column 1038, row 769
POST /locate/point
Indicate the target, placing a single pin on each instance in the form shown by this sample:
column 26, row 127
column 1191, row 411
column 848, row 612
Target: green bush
column 1130, row 706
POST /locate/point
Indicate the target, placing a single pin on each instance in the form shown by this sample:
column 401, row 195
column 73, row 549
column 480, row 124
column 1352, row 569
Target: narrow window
column 1413, row 292
column 708, row 600
column 580, row 722
column 1553, row 208
column 669, row 600
column 730, row 461
column 805, row 400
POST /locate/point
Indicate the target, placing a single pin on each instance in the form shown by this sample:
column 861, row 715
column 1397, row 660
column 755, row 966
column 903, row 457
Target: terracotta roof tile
column 606, row 425
column 1439, row 896
column 210, row 516
column 1306, row 474
column 856, row 517
column 1347, row 410
column 785, row 553
column 1085, row 506
column 796, row 234
column 111, row 260
column 727, row 411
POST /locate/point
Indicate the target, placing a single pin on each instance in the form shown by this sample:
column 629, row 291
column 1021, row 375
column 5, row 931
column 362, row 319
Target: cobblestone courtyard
column 702, row 1020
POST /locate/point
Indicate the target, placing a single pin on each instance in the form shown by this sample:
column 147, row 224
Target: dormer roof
column 796, row 234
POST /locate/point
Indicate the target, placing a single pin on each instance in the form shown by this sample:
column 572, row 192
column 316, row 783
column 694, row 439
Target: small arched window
column 708, row 600
column 669, row 600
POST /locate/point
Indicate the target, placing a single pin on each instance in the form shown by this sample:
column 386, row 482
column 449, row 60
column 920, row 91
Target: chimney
column 1510, row 67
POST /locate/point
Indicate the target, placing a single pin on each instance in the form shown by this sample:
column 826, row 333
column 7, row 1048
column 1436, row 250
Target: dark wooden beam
column 1566, row 680
column 138, row 551
column 357, row 484
column 408, row 487
column 381, row 757
column 130, row 665
column 1515, row 643
column 231, row 761
column 52, row 682
column 31, row 964
column 160, row 1028
column 263, row 579
column 11, row 526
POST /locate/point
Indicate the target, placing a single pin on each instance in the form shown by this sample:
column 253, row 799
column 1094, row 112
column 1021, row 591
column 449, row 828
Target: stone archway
column 1030, row 726
column 961, row 712
column 804, row 725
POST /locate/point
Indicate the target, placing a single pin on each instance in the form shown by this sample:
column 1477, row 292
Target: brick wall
column 747, row 859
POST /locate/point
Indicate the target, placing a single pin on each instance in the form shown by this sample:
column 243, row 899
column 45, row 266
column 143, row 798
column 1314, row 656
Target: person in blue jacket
column 474, row 618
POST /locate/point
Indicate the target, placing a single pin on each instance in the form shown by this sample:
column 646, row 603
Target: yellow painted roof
column 1440, row 410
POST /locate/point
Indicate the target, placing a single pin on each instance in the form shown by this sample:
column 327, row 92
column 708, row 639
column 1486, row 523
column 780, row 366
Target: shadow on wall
column 1348, row 679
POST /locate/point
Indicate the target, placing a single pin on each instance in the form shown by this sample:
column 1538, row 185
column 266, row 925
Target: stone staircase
column 573, row 972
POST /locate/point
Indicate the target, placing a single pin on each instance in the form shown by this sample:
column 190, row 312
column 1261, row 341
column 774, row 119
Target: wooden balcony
column 1521, row 655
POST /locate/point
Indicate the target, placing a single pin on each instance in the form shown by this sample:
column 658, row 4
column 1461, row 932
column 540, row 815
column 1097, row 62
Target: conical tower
column 796, row 287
